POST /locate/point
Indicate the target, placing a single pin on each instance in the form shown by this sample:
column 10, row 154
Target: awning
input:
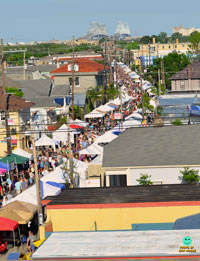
column 22, row 153
column 7, row 224
column 94, row 114
column 14, row 158
column 20, row 216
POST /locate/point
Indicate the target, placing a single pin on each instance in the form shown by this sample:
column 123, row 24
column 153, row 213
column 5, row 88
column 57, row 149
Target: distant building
column 187, row 80
column 122, row 31
column 88, row 73
column 148, row 52
column 185, row 31
column 97, row 31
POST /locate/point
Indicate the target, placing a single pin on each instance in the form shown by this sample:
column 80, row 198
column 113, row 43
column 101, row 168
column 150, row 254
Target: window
column 183, row 45
column 2, row 115
column 175, row 46
column 169, row 46
column 77, row 82
column 163, row 47
column 118, row 181
column 182, row 83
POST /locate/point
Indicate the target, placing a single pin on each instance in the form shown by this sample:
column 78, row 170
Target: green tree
column 177, row 122
column 147, row 105
column 144, row 180
column 181, row 38
column 194, row 38
column 189, row 176
column 111, row 92
column 162, row 37
column 92, row 96
column 173, row 63
column 78, row 112
column 15, row 91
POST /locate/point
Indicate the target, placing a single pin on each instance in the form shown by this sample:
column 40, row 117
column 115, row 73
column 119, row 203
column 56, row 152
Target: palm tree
column 93, row 95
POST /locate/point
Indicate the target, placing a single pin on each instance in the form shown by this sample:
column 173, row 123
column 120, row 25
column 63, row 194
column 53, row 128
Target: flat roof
column 118, row 244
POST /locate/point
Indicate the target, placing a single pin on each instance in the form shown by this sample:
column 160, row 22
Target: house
column 88, row 73
column 187, row 80
column 18, row 120
column 161, row 152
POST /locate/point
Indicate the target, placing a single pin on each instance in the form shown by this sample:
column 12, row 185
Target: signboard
column 10, row 121
column 117, row 116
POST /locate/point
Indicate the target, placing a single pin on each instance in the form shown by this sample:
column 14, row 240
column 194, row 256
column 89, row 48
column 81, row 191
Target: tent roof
column 22, row 153
column 106, row 137
column 93, row 149
column 19, row 216
column 94, row 114
column 7, row 224
column 14, row 158
column 45, row 141
column 23, row 206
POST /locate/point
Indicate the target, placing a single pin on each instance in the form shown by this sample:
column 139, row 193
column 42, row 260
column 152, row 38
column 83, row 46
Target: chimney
column 189, row 71
column 177, row 41
column 58, row 64
column 154, row 40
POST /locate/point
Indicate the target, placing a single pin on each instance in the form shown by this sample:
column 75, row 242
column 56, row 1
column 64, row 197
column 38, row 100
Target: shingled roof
column 154, row 146
column 192, row 71
column 85, row 65
column 14, row 103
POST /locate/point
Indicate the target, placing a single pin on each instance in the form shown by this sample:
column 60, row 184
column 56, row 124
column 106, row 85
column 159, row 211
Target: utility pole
column 142, row 98
column 163, row 73
column 6, row 102
column 37, row 178
column 105, row 80
column 73, row 77
column 159, row 92
column 149, row 54
column 70, row 158
column 24, row 65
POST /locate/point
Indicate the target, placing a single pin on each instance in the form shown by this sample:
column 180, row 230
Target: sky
column 43, row 20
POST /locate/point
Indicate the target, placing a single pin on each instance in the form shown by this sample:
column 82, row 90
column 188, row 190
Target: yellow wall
column 19, row 134
column 115, row 218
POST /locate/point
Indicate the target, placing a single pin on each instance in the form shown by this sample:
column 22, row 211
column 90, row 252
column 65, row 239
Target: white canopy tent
column 94, row 114
column 93, row 149
column 29, row 195
column 106, row 137
column 45, row 141
column 61, row 134
column 134, row 116
column 97, row 160
column 79, row 122
column 131, row 123
column 55, row 176
column 105, row 108
column 23, row 153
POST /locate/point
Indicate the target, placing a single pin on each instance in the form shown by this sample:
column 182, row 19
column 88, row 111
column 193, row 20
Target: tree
column 177, row 122
column 173, row 63
column 162, row 37
column 111, row 92
column 78, row 112
column 189, row 176
column 15, row 91
column 145, row 39
column 147, row 105
column 144, row 180
column 181, row 38
column 194, row 38
column 92, row 96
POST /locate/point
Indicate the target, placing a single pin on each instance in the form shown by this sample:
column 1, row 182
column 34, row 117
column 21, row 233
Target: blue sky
column 26, row 20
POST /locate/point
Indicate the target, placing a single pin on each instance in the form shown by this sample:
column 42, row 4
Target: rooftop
column 130, row 194
column 85, row 65
column 154, row 146
column 116, row 244
column 14, row 103
column 192, row 71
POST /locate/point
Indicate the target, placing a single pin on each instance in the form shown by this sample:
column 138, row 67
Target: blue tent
column 55, row 184
column 5, row 166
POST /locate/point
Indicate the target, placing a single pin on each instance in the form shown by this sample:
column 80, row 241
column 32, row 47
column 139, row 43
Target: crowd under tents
column 134, row 116
column 23, row 153
column 45, row 141
column 79, row 123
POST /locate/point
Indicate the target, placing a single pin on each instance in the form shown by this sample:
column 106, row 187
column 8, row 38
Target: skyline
column 47, row 19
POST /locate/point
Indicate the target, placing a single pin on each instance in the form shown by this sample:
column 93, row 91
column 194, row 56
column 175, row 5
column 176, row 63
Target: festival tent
column 105, row 108
column 79, row 122
column 61, row 134
column 135, row 116
column 2, row 171
column 23, row 153
column 20, row 216
column 94, row 114
column 55, row 176
column 7, row 224
column 21, row 205
column 97, row 160
column 131, row 123
column 5, row 166
column 48, row 190
column 45, row 141
column 14, row 158
column 93, row 149
column 56, row 184
column 105, row 138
